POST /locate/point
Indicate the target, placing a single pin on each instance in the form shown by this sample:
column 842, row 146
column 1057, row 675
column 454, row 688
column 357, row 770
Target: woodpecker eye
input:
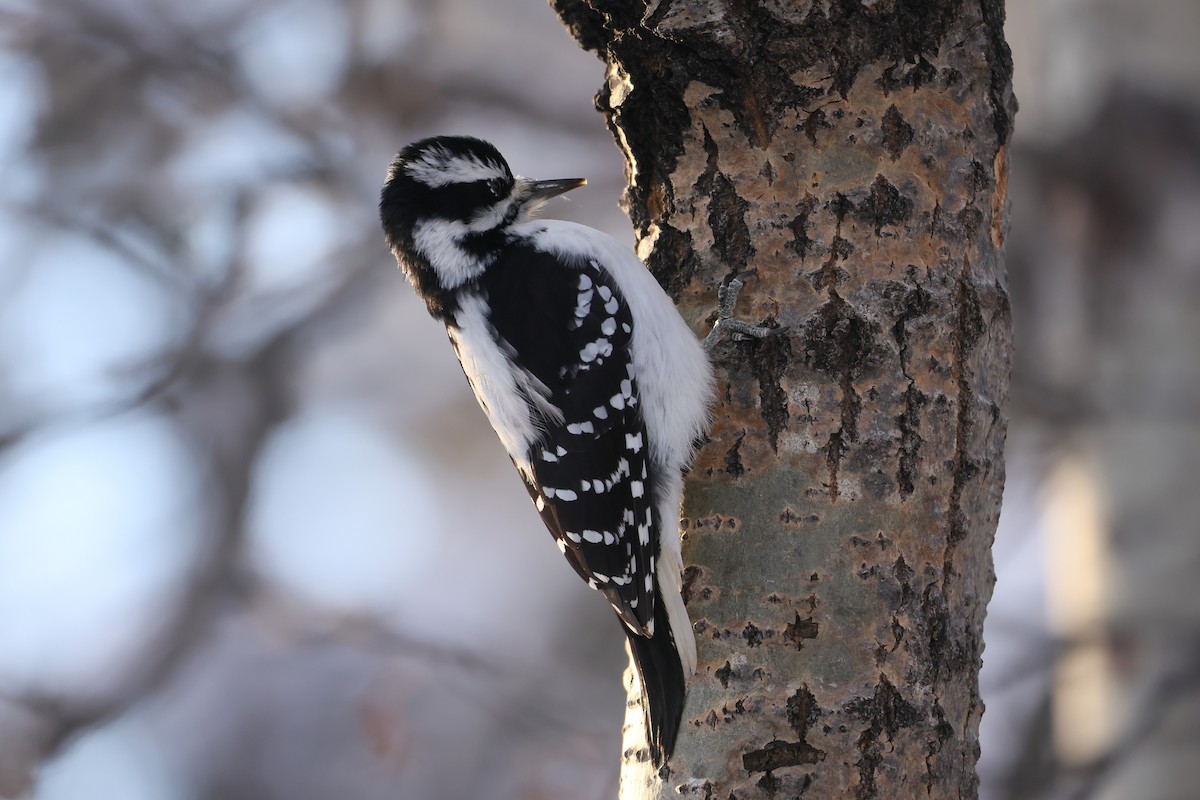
column 495, row 187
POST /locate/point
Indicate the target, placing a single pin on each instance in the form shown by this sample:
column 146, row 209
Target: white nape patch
column 440, row 167
column 633, row 442
column 440, row 242
column 491, row 217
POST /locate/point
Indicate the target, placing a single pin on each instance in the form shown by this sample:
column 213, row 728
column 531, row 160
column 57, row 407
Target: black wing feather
column 571, row 328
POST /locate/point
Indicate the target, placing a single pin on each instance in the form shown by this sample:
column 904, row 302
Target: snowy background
column 256, row 540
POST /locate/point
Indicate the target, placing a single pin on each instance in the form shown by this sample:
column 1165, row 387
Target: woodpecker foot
column 738, row 330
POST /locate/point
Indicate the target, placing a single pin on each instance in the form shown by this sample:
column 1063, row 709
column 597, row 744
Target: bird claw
column 737, row 329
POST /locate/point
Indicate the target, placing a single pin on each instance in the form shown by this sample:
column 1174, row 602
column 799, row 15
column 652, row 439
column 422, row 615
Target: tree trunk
column 838, row 522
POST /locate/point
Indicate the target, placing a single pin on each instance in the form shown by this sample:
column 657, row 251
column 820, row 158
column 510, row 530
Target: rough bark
column 838, row 522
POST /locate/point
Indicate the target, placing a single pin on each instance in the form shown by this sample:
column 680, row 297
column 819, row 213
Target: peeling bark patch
column 801, row 243
column 886, row 713
column 776, row 755
column 969, row 220
column 791, row 518
column 915, row 302
column 903, row 574
column 690, row 575
column 897, row 133
column 839, row 342
column 726, row 212
column 733, row 458
column 802, row 711
column 830, row 275
column 673, row 261
column 835, row 450
column 799, row 630
column 723, row 674
column 944, row 732
column 845, row 37
column 1000, row 65
column 999, row 196
column 910, row 440
column 769, row 784
column 885, row 206
column 909, row 76
column 936, row 627
column 769, row 358
column 815, row 121
column 969, row 328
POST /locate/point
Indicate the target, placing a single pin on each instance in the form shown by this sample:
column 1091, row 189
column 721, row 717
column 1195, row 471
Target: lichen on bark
column 838, row 521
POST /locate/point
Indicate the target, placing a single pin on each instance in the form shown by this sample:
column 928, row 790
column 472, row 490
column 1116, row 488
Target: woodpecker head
column 446, row 207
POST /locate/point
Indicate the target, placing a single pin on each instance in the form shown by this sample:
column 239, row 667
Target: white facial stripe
column 490, row 217
column 439, row 167
column 440, row 241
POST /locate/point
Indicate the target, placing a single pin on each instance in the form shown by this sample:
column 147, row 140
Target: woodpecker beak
column 540, row 191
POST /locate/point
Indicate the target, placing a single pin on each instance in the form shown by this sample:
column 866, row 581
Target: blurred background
column 256, row 540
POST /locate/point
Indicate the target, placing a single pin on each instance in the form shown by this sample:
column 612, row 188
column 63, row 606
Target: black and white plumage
column 594, row 384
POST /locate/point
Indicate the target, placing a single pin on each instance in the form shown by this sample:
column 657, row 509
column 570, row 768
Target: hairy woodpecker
column 595, row 385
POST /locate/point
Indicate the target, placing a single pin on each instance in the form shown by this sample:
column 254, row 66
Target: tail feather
column 663, row 684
